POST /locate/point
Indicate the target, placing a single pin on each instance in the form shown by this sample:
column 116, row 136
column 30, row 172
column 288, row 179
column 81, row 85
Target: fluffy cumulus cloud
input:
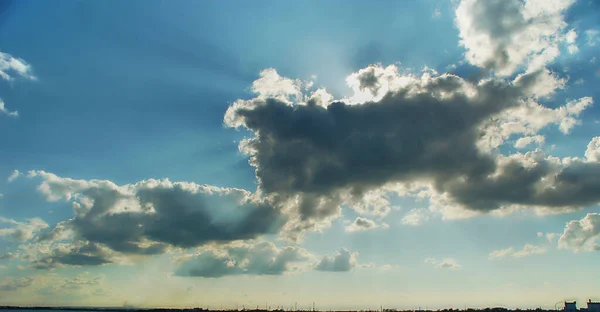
column 505, row 35
column 263, row 258
column 447, row 263
column 342, row 261
column 21, row 231
column 429, row 129
column 145, row 218
column 364, row 224
column 528, row 250
column 592, row 153
column 527, row 140
column 582, row 235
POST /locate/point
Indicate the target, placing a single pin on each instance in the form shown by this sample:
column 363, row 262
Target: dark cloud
column 368, row 80
column 259, row 259
column 315, row 153
column 151, row 216
column 529, row 180
column 87, row 254
column 342, row 261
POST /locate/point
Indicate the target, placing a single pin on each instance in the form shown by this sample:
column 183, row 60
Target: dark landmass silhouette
column 125, row 309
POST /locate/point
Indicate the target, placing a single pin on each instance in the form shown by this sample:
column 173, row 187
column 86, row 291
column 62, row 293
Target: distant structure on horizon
column 570, row 306
column 591, row 306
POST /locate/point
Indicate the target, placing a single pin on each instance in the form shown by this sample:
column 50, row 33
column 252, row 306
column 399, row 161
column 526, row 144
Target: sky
column 354, row 154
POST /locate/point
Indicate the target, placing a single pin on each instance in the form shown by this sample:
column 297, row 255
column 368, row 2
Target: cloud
column 7, row 112
column 241, row 258
column 416, row 217
column 11, row 67
column 343, row 261
column 447, row 263
column 55, row 255
column 79, row 282
column 149, row 217
column 22, row 231
column 16, row 283
column 570, row 38
column 550, row 237
column 14, row 175
column 437, row 13
column 429, row 129
column 363, row 224
column 528, row 140
column 581, row 235
column 592, row 153
column 592, row 36
column 501, row 253
column 527, row 250
column 7, row 256
column 505, row 35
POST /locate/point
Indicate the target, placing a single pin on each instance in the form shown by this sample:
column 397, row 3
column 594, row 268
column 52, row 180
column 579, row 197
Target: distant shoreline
column 133, row 309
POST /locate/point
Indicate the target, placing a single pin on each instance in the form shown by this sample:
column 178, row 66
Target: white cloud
column 7, row 112
column 15, row 174
column 416, row 217
column 570, row 38
column 272, row 85
column 504, row 35
column 446, row 263
column 11, row 66
column 592, row 37
column 527, row 140
column 501, row 253
column 437, row 13
column 527, row 250
column 592, row 153
column 582, row 235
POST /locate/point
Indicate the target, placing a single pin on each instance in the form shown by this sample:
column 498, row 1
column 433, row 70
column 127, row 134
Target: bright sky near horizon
column 356, row 154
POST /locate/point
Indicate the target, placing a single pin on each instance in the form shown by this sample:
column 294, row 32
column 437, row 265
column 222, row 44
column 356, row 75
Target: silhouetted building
column 593, row 306
column 570, row 306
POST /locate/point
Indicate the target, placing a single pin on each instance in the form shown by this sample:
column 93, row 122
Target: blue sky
column 351, row 153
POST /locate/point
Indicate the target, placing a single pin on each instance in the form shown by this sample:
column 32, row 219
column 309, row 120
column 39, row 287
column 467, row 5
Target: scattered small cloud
column 343, row 261
column 364, row 224
column 527, row 250
column 7, row 112
column 15, row 174
column 592, row 37
column 447, row 263
column 12, row 284
column 416, row 217
column 437, row 13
